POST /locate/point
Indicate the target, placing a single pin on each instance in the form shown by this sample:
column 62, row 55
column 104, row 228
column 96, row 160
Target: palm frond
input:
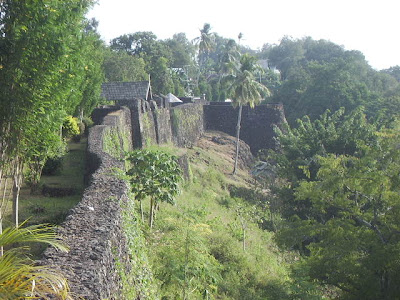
column 20, row 278
column 43, row 233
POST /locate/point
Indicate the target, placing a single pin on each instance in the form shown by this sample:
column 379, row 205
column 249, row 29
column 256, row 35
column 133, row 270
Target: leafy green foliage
column 319, row 75
column 70, row 126
column 352, row 232
column 336, row 133
column 155, row 174
column 333, row 133
column 49, row 67
column 338, row 185
column 120, row 66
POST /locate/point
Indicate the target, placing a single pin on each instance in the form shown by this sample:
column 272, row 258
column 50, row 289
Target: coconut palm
column 230, row 58
column 205, row 42
column 244, row 89
column 20, row 278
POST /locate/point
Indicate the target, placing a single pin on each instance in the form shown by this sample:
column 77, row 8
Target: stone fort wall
column 93, row 228
column 158, row 123
column 257, row 125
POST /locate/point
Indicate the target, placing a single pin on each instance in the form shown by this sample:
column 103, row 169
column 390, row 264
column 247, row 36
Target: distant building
column 115, row 91
column 171, row 98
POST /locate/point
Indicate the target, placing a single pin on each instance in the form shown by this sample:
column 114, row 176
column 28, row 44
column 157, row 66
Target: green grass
column 37, row 208
column 208, row 232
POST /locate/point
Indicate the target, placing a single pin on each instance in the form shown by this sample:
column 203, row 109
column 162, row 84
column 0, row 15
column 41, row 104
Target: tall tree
column 182, row 50
column 244, row 90
column 41, row 74
column 205, row 43
column 120, row 66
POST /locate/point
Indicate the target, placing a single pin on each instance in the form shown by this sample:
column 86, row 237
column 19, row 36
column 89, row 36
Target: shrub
column 87, row 122
column 70, row 127
column 53, row 166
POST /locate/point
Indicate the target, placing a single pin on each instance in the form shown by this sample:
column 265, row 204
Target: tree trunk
column 16, row 190
column 2, row 208
column 151, row 217
column 141, row 210
column 239, row 120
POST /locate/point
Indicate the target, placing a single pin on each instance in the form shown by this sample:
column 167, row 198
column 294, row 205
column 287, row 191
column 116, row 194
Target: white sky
column 370, row 26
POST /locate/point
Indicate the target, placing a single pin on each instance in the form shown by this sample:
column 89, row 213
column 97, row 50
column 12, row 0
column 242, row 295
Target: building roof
column 126, row 90
column 171, row 98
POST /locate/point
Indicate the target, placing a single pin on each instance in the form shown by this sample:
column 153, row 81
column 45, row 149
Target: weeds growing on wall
column 137, row 278
column 112, row 143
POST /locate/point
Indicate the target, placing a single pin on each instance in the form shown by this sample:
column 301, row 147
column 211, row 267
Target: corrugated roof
column 126, row 90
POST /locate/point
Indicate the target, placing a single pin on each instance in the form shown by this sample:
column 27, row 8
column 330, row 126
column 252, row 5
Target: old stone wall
column 187, row 122
column 162, row 120
column 158, row 123
column 92, row 229
column 256, row 126
column 143, row 122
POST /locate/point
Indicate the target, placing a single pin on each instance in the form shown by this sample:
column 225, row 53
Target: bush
column 70, row 127
column 87, row 122
column 53, row 166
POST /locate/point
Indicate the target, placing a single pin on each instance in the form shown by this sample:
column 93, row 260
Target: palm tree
column 244, row 90
column 205, row 42
column 20, row 278
column 230, row 58
column 240, row 37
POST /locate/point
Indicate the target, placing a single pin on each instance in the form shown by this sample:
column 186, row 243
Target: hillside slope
column 210, row 245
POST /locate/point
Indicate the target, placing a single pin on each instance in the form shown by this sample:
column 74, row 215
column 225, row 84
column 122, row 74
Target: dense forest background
column 333, row 200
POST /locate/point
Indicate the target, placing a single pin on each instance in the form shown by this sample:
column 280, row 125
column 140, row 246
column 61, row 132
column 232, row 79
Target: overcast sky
column 370, row 26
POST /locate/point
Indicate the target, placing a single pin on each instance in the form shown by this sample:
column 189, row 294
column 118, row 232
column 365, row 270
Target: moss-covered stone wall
column 93, row 229
column 157, row 123
column 187, row 124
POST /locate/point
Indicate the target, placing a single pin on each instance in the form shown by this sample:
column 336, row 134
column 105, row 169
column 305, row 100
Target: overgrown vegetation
column 336, row 179
column 153, row 174
column 136, row 274
column 196, row 246
column 20, row 278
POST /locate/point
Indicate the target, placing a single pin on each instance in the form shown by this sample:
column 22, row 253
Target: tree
column 153, row 174
column 183, row 51
column 32, row 33
column 338, row 185
column 332, row 133
column 352, row 235
column 120, row 66
column 244, row 90
column 161, row 78
column 93, row 56
column 393, row 71
column 318, row 75
column 286, row 56
column 205, row 43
